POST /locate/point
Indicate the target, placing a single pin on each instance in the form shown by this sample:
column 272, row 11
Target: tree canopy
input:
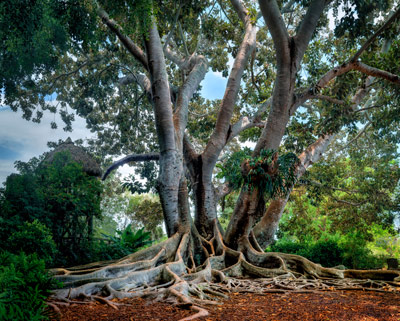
column 301, row 75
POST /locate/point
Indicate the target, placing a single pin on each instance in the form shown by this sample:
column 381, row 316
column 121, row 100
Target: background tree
column 145, row 211
column 60, row 195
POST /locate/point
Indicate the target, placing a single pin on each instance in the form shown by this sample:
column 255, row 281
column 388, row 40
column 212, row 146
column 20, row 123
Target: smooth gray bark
column 170, row 161
column 289, row 52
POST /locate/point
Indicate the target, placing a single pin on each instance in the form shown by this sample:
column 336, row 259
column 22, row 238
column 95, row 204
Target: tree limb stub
column 129, row 159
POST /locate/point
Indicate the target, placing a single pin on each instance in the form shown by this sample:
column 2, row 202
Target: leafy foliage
column 230, row 169
column 271, row 174
column 33, row 35
column 131, row 239
column 332, row 250
column 24, row 285
column 126, row 242
column 33, row 238
column 145, row 210
column 146, row 171
column 60, row 196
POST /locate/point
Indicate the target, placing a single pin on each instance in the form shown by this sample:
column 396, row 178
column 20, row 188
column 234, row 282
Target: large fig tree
column 301, row 72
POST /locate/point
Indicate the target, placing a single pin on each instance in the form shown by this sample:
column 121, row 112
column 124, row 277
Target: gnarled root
column 167, row 271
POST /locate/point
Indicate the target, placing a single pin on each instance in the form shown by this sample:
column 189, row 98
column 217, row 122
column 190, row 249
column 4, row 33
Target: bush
column 326, row 252
column 33, row 238
column 356, row 253
column 349, row 250
column 24, row 285
column 127, row 242
column 289, row 246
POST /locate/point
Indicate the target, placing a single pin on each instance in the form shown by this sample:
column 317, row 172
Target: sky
column 21, row 139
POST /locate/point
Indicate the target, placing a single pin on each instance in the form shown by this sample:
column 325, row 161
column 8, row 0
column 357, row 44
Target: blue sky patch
column 7, row 153
column 3, row 108
column 213, row 86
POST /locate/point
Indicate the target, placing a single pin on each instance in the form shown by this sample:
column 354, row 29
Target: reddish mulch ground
column 334, row 305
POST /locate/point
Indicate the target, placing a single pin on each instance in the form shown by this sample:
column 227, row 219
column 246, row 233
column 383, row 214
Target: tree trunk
column 251, row 200
column 204, row 199
column 170, row 161
column 265, row 230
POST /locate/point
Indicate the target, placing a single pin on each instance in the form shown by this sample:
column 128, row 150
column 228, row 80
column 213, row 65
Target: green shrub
column 24, row 285
column 33, row 238
column 127, row 242
column 349, row 250
column 326, row 252
column 356, row 253
column 289, row 246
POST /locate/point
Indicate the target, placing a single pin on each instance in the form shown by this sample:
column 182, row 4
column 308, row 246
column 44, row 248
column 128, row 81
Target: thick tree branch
column 222, row 127
column 161, row 92
column 171, row 167
column 184, row 63
column 352, row 64
column 338, row 71
column 142, row 80
column 188, row 149
column 186, row 92
column 134, row 49
column 222, row 190
column 375, row 72
column 129, row 159
column 240, row 10
column 307, row 27
column 277, row 28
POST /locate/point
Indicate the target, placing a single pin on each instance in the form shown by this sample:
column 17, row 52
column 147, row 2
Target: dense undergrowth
column 331, row 251
column 24, row 285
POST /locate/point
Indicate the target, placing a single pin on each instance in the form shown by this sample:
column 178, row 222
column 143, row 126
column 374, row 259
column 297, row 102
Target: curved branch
column 142, row 80
column 222, row 126
column 129, row 159
column 134, row 49
column 191, row 84
column 241, row 125
column 222, row 191
column 277, row 28
column 307, row 26
column 240, row 10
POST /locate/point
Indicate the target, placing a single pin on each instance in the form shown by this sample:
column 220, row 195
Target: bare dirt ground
column 330, row 305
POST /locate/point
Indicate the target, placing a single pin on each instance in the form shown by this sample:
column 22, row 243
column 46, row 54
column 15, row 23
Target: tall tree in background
column 111, row 61
column 60, row 195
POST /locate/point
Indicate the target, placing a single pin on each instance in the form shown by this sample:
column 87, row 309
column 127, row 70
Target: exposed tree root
column 167, row 272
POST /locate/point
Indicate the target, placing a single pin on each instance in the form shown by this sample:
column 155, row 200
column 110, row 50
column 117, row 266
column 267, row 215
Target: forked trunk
column 204, row 199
